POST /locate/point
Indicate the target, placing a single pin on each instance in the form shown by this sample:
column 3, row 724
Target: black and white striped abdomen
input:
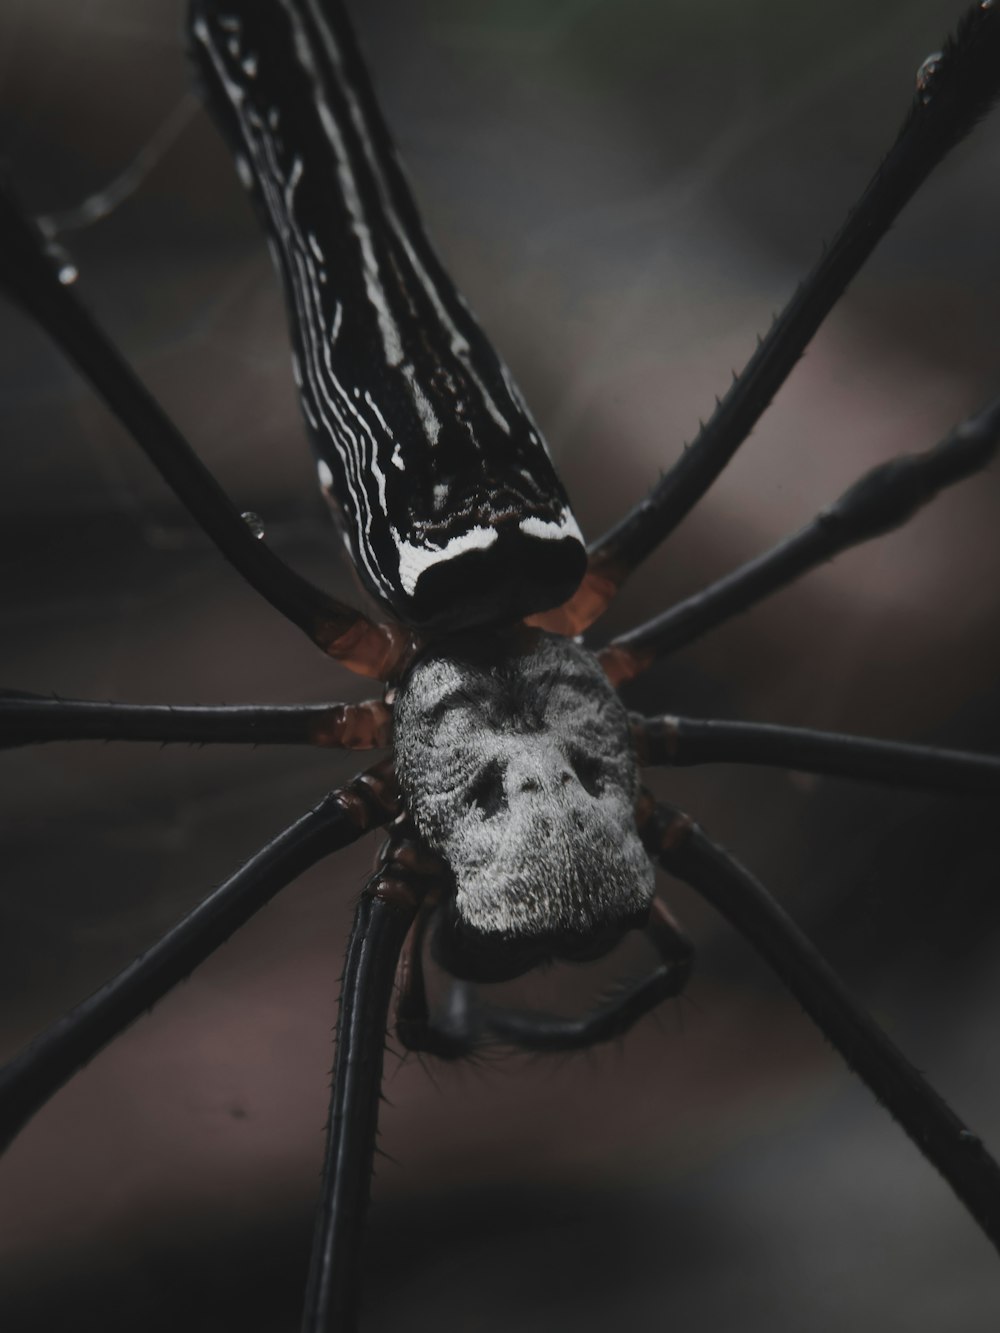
column 450, row 505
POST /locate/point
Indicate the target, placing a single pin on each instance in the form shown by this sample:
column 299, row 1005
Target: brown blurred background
column 626, row 189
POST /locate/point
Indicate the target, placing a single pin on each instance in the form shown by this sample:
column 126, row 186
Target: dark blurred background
column 626, row 190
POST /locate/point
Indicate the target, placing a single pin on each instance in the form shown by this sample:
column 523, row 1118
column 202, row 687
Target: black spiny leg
column 383, row 918
column 32, row 719
column 684, row 851
column 676, row 742
column 30, row 276
column 452, row 1035
column 882, row 500
column 951, row 96
column 32, row 1077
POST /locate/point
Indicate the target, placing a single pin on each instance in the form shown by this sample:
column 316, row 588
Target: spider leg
column 878, row 502
column 33, row 1076
column 32, row 719
column 613, row 1017
column 384, row 915
column 686, row 852
column 680, row 741
column 467, row 1021
column 31, row 277
column 452, row 1036
column 404, row 857
column 952, row 94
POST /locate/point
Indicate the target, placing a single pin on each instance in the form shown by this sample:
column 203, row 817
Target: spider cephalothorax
column 515, row 761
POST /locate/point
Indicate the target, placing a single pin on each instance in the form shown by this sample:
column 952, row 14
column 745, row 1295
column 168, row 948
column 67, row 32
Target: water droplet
column 68, row 274
column 925, row 75
column 968, row 1139
column 254, row 522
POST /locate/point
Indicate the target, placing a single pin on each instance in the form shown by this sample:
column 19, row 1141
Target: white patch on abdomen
column 416, row 560
column 551, row 530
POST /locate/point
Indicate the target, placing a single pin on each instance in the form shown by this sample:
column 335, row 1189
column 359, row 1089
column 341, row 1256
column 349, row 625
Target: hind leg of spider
column 686, row 852
column 953, row 93
column 32, row 719
column 30, row 275
column 676, row 742
column 384, row 917
column 32, row 1077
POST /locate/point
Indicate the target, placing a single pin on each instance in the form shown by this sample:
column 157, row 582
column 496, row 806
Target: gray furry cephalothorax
column 517, row 767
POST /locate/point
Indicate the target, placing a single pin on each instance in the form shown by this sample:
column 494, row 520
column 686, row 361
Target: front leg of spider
column 954, row 89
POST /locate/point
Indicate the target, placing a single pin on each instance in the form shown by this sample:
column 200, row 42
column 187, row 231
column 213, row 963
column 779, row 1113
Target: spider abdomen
column 449, row 503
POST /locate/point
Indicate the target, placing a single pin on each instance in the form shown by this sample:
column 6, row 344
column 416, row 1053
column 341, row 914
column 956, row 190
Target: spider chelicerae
column 714, row 821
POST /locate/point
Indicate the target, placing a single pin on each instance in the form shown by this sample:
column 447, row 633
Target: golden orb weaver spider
column 762, row 799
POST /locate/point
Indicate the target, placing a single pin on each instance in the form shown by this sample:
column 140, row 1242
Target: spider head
column 516, row 764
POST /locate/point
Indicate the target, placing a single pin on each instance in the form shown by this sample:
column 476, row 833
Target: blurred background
column 626, row 191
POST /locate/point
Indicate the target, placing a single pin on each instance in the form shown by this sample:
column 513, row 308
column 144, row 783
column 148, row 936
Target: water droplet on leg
column 925, row 76
column 254, row 523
